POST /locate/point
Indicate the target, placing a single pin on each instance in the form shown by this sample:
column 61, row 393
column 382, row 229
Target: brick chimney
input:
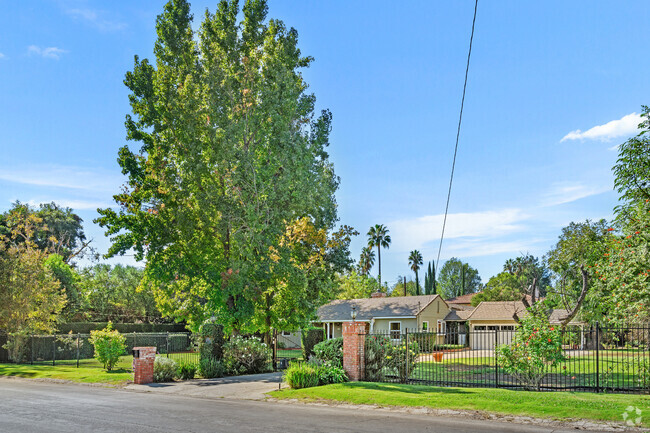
column 377, row 295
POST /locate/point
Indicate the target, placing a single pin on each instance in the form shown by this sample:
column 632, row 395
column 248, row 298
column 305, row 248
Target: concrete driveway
column 249, row 387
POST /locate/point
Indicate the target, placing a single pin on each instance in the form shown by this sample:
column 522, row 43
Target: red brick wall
column 354, row 336
column 143, row 366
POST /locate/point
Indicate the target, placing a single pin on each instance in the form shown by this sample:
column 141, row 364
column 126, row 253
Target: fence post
column 32, row 341
column 406, row 354
column 135, row 341
column 167, row 344
column 78, row 338
column 275, row 349
column 53, row 350
column 597, row 358
column 496, row 362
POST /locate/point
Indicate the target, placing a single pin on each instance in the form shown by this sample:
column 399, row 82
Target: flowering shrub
column 330, row 350
column 535, row 347
column 246, row 355
column 164, row 369
column 403, row 359
column 376, row 349
column 109, row 345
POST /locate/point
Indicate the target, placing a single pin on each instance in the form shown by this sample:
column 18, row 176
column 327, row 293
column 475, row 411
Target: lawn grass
column 556, row 405
column 89, row 371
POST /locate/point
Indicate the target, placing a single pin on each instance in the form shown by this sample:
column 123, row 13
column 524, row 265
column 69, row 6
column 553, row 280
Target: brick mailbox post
column 143, row 358
column 354, row 337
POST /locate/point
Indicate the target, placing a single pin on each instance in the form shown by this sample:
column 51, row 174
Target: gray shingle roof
column 458, row 315
column 501, row 310
column 341, row 310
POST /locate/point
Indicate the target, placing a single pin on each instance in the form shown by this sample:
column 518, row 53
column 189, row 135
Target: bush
column 328, row 373
column 330, row 351
column 210, row 367
column 19, row 346
column 376, row 350
column 309, row 338
column 109, row 345
column 535, row 348
column 402, row 359
column 211, row 341
column 164, row 369
column 186, row 370
column 301, row 375
column 246, row 355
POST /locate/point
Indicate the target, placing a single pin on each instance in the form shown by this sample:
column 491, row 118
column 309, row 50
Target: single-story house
column 390, row 315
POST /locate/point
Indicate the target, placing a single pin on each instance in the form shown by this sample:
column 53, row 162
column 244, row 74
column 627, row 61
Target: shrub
column 330, row 351
column 164, row 369
column 301, row 375
column 328, row 373
column 535, row 348
column 109, row 345
column 186, row 370
column 309, row 338
column 377, row 348
column 211, row 341
column 19, row 346
column 210, row 367
column 402, row 359
column 246, row 355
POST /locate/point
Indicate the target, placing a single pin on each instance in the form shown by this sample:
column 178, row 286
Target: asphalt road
column 31, row 406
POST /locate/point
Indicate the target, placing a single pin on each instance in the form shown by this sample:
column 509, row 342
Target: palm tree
column 367, row 260
column 378, row 237
column 415, row 260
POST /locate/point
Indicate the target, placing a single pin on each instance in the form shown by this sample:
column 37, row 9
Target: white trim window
column 442, row 327
column 395, row 330
column 425, row 325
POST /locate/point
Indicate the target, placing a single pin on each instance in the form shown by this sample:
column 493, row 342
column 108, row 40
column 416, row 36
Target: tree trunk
column 379, row 263
column 583, row 294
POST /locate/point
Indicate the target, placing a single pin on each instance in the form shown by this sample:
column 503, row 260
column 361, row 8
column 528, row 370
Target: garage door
column 483, row 337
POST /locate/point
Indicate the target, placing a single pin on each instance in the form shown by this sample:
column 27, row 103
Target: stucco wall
column 435, row 311
column 383, row 325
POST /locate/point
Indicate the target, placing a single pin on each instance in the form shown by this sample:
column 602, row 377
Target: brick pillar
column 354, row 337
column 143, row 364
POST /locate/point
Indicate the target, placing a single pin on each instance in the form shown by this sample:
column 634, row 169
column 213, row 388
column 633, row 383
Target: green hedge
column 124, row 328
column 311, row 337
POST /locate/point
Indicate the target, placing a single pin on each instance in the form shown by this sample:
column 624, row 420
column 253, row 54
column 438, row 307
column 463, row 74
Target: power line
column 460, row 119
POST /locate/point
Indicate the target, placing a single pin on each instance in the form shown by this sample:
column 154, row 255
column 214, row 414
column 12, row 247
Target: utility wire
column 460, row 119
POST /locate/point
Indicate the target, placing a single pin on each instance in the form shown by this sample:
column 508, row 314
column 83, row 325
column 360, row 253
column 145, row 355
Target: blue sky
column 553, row 88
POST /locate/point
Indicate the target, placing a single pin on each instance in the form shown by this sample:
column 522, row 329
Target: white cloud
column 417, row 232
column 566, row 193
column 477, row 248
column 66, row 177
column 627, row 125
column 75, row 205
column 47, row 53
column 2, row 56
column 96, row 18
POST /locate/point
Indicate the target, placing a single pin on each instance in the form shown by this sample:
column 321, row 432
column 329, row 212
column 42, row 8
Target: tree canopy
column 230, row 196
column 457, row 278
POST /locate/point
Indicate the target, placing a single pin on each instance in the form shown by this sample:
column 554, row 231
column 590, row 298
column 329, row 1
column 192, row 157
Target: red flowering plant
column 535, row 348
column 622, row 276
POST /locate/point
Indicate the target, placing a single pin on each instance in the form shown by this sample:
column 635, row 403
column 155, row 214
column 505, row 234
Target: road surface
column 32, row 406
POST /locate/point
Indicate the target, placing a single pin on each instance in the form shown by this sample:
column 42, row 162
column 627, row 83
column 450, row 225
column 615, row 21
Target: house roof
column 463, row 299
column 559, row 313
column 340, row 310
column 501, row 310
column 458, row 315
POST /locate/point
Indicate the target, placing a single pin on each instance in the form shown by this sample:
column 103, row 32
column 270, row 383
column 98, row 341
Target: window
column 425, row 326
column 442, row 327
column 286, row 333
column 395, row 330
column 507, row 328
column 479, row 328
column 493, row 328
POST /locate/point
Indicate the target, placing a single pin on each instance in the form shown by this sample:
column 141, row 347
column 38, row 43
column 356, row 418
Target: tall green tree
column 430, row 279
column 398, row 288
column 632, row 170
column 232, row 175
column 502, row 287
column 530, row 270
column 457, row 278
column 415, row 261
column 378, row 237
column 353, row 285
column 366, row 260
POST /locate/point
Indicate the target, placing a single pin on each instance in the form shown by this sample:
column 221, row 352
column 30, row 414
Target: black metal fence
column 596, row 359
column 76, row 349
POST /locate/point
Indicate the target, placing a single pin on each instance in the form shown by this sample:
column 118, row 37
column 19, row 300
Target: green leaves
column 231, row 155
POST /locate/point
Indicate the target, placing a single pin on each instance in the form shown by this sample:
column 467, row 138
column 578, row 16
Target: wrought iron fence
column 596, row 359
column 76, row 349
